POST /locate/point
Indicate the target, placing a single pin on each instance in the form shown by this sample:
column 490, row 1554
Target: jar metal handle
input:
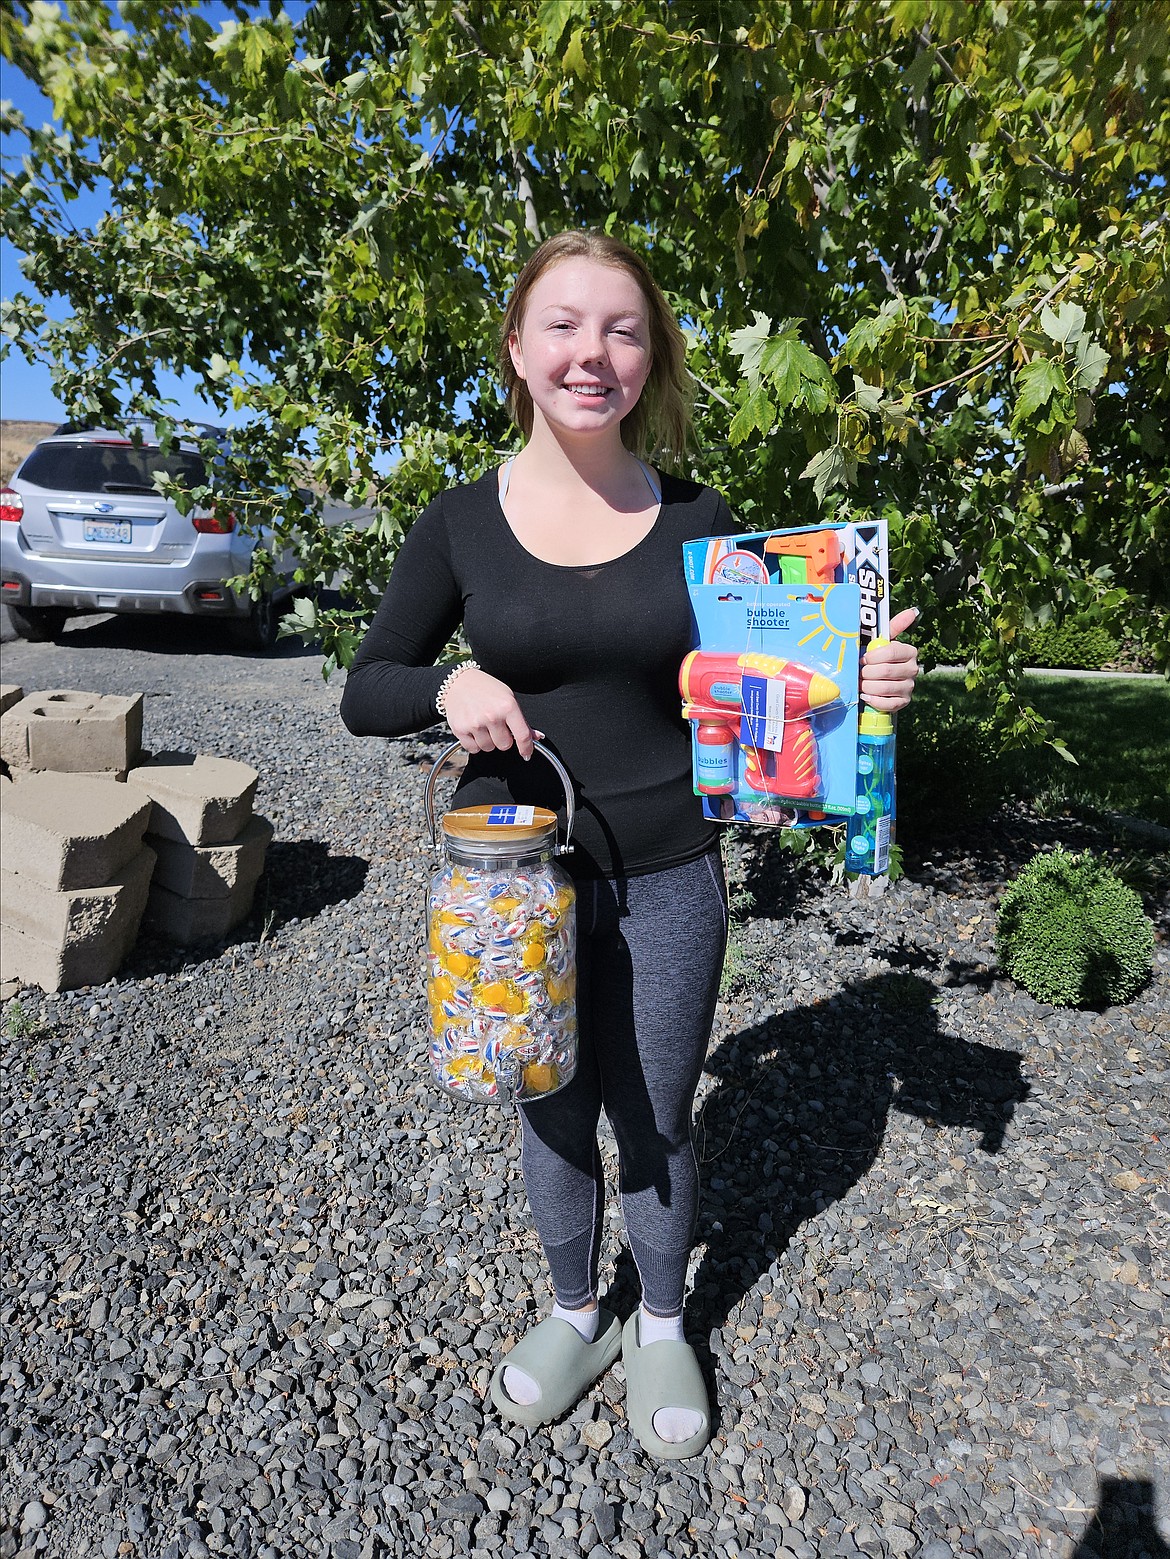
column 545, row 752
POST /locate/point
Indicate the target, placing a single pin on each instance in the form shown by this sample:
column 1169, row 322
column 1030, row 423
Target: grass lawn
column 1117, row 728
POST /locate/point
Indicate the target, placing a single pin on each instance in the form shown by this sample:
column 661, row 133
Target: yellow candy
column 539, row 1077
column 513, row 1036
column 441, row 988
column 533, row 955
column 559, row 991
column 460, row 964
column 465, row 1066
column 498, row 993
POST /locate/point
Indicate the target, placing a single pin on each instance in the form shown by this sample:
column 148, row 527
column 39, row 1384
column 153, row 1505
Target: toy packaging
column 782, row 620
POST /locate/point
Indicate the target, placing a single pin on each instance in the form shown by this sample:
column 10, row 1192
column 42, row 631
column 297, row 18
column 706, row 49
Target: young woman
column 565, row 569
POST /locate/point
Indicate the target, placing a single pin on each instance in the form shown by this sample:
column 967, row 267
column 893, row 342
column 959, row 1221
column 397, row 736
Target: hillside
column 16, row 439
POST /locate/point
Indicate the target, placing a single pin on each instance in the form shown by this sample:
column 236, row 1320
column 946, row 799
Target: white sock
column 672, row 1424
column 519, row 1385
column 659, row 1328
column 586, row 1321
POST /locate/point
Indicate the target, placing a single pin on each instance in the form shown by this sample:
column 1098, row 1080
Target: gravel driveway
column 258, row 1270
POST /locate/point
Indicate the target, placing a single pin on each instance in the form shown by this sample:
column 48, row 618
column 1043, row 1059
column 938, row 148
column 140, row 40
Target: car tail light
column 214, row 524
column 11, row 505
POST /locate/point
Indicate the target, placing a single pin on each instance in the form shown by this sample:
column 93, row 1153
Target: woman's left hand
column 889, row 670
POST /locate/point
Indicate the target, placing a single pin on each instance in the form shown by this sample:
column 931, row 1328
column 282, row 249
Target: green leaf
column 552, row 17
column 1092, row 364
column 798, row 376
column 868, row 396
column 830, row 468
column 1064, row 325
column 1039, row 382
column 797, row 151
column 748, row 344
column 573, row 58
column 756, row 415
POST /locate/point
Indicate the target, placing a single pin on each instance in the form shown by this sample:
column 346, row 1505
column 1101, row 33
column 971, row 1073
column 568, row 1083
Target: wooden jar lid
column 505, row 827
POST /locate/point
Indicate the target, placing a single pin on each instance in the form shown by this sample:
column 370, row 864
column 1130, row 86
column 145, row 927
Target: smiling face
column 582, row 347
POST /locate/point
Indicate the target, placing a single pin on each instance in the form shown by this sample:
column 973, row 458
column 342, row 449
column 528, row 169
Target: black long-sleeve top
column 592, row 655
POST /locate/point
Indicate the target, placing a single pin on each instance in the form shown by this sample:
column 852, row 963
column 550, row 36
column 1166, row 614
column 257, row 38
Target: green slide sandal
column 663, row 1374
column 561, row 1363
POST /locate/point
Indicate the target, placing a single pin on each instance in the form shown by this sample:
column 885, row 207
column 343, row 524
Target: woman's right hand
column 484, row 716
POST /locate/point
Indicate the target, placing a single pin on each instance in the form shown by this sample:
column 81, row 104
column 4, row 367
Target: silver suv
column 83, row 528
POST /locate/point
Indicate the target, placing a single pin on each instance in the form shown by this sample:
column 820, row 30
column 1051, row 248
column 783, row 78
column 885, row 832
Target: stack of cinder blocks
column 78, row 858
column 210, row 846
column 75, row 870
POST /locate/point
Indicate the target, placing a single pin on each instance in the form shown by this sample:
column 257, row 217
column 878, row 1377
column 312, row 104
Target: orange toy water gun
column 807, row 558
column 763, row 702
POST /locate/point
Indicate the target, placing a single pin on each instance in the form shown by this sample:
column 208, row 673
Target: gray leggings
column 649, row 956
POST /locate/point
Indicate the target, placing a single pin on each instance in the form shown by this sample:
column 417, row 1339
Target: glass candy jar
column 501, row 950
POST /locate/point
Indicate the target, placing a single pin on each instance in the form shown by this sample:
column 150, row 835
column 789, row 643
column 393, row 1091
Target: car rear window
column 103, row 468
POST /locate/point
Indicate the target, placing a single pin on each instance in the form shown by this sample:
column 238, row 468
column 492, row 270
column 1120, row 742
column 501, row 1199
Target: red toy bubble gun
column 764, row 702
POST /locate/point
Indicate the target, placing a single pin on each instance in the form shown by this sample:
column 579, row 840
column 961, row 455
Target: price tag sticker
column 510, row 817
column 763, row 712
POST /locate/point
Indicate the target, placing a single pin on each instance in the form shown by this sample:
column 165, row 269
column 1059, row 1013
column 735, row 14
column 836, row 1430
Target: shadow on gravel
column 164, row 633
column 799, row 1113
column 301, row 879
column 1123, row 1524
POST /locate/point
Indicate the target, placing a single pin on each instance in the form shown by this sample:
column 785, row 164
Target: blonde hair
column 660, row 422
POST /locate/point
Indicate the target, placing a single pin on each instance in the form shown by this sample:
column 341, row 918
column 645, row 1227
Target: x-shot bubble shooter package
column 782, row 620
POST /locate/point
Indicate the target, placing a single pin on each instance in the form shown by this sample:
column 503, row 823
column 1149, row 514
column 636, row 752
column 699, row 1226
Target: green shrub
column 1072, row 934
column 1080, row 644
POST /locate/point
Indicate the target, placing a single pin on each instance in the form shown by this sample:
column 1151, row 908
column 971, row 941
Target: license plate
column 107, row 530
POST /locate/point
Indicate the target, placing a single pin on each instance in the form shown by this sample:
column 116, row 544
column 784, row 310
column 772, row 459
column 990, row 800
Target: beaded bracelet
column 441, row 695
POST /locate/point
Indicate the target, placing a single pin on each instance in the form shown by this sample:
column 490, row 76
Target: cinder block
column 9, row 694
column 197, row 798
column 117, row 775
column 67, row 831
column 211, row 871
column 78, row 919
column 189, row 921
column 72, row 732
